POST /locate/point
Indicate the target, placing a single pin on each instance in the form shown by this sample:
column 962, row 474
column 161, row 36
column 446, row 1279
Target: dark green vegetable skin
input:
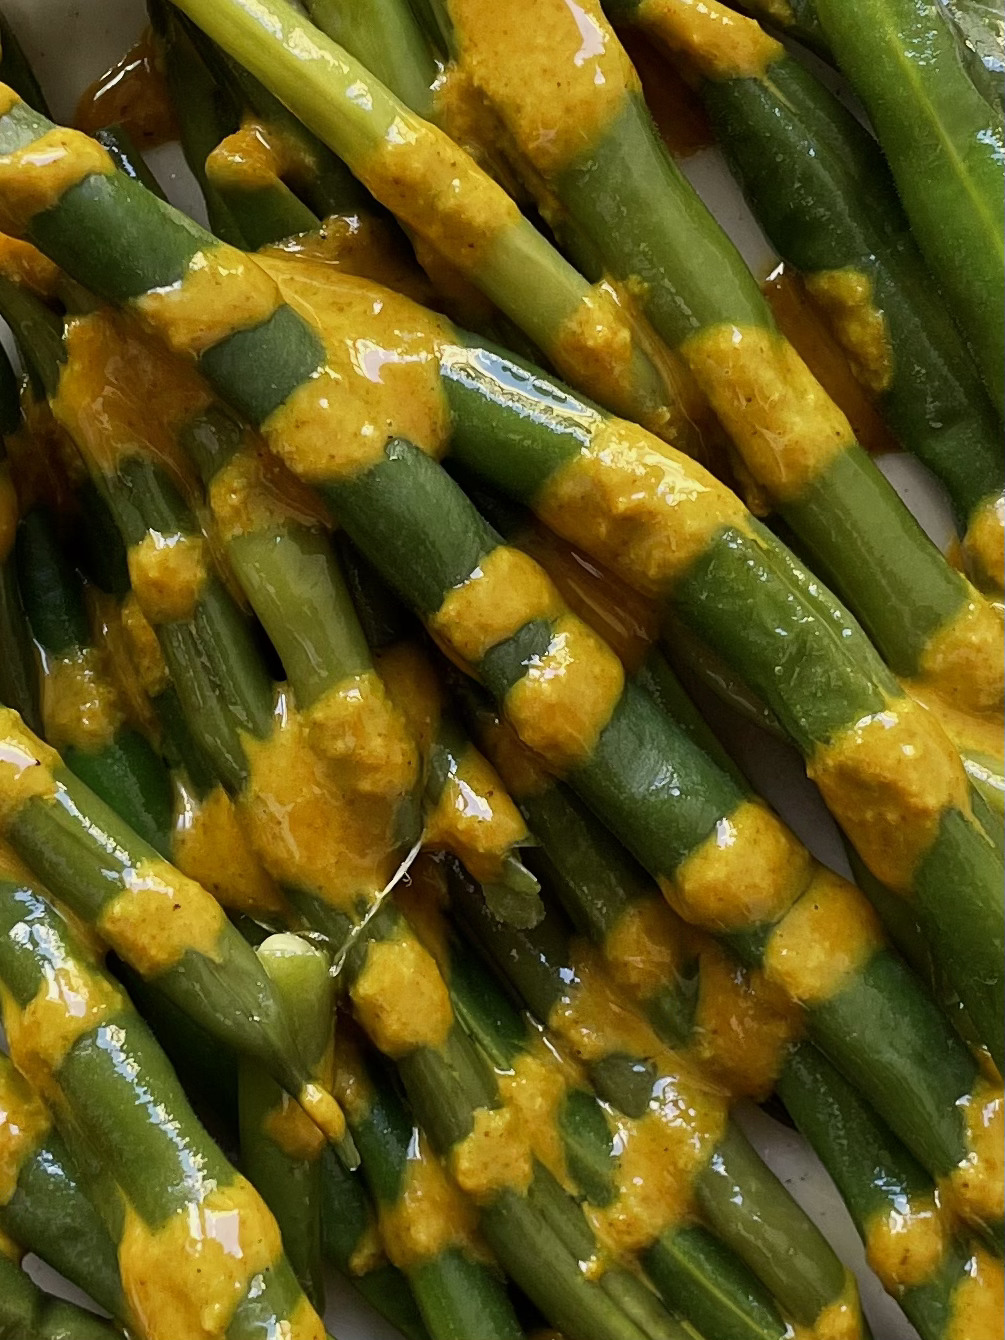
column 129, row 1113
column 944, row 142
column 127, row 773
column 819, row 185
column 50, row 1214
column 347, row 1217
column 27, row 1313
column 873, row 1172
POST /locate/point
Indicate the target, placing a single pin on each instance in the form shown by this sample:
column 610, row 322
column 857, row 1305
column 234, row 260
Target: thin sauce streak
column 674, row 105
column 804, row 328
column 133, row 94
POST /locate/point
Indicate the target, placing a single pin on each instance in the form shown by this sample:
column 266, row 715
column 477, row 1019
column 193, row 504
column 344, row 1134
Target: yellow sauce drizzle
column 984, row 542
column 109, row 637
column 964, row 661
column 71, row 1002
column 826, row 938
column 24, row 1123
column 888, row 780
column 847, row 298
column 978, row 1300
column 25, row 266
column 185, row 1277
column 592, row 1020
column 255, row 492
column 749, row 870
column 905, row 1244
column 645, row 947
column 557, row 83
column 120, row 396
column 223, row 290
column 400, row 997
column 475, row 818
column 422, row 897
column 80, row 705
column 507, row 590
column 523, row 774
column 414, row 686
column 362, row 733
column 976, row 1186
column 494, row 1156
column 26, row 766
column 743, row 1025
column 595, row 346
column 644, row 509
column 562, row 703
column 168, row 574
column 716, row 42
column 429, row 1214
column 308, row 828
column 159, row 917
column 437, row 190
column 785, row 426
column 536, row 1089
column 37, row 176
column 386, row 383
column 290, row 1128
column 840, row 1320
column 255, row 156
column 369, row 1253
column 360, row 244
column 209, row 845
column 144, row 649
column 134, row 94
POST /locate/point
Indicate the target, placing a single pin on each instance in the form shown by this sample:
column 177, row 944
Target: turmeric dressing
column 290, row 1128
column 80, row 707
column 185, row 1277
column 414, row 687
column 978, row 1300
column 255, row 492
column 523, row 774
column 786, row 427
column 507, row 590
column 133, row 93
column 594, row 346
column 26, row 766
column 309, row 829
column 159, row 917
column 494, row 1156
column 562, row 703
column 24, row 1123
column 255, row 156
column 168, row 574
column 644, row 509
column 129, row 678
column 25, row 266
column 717, row 42
column 888, row 780
column 401, row 998
column 209, row 844
column 975, row 1188
column 749, row 870
column 984, row 542
column 846, row 297
column 964, row 661
column 557, row 83
column 904, row 1245
column 43, row 171
column 475, row 818
column 361, row 732
column 429, row 1214
column 121, row 396
column 70, row 1003
column 386, row 383
column 536, row 1089
column 823, row 940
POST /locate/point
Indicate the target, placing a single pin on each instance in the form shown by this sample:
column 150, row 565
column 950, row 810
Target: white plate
column 70, row 43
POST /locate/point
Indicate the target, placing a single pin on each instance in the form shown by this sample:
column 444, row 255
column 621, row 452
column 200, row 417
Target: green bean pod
column 944, row 142
column 197, row 1248
column 27, row 1313
column 280, row 1148
column 83, row 715
column 834, row 214
column 388, row 500
column 352, row 1243
column 43, row 1206
column 565, row 985
column 945, row 1283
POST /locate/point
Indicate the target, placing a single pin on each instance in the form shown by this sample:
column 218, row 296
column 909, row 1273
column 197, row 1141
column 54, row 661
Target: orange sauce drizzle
column 132, row 93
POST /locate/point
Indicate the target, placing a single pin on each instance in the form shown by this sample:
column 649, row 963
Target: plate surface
column 70, row 43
